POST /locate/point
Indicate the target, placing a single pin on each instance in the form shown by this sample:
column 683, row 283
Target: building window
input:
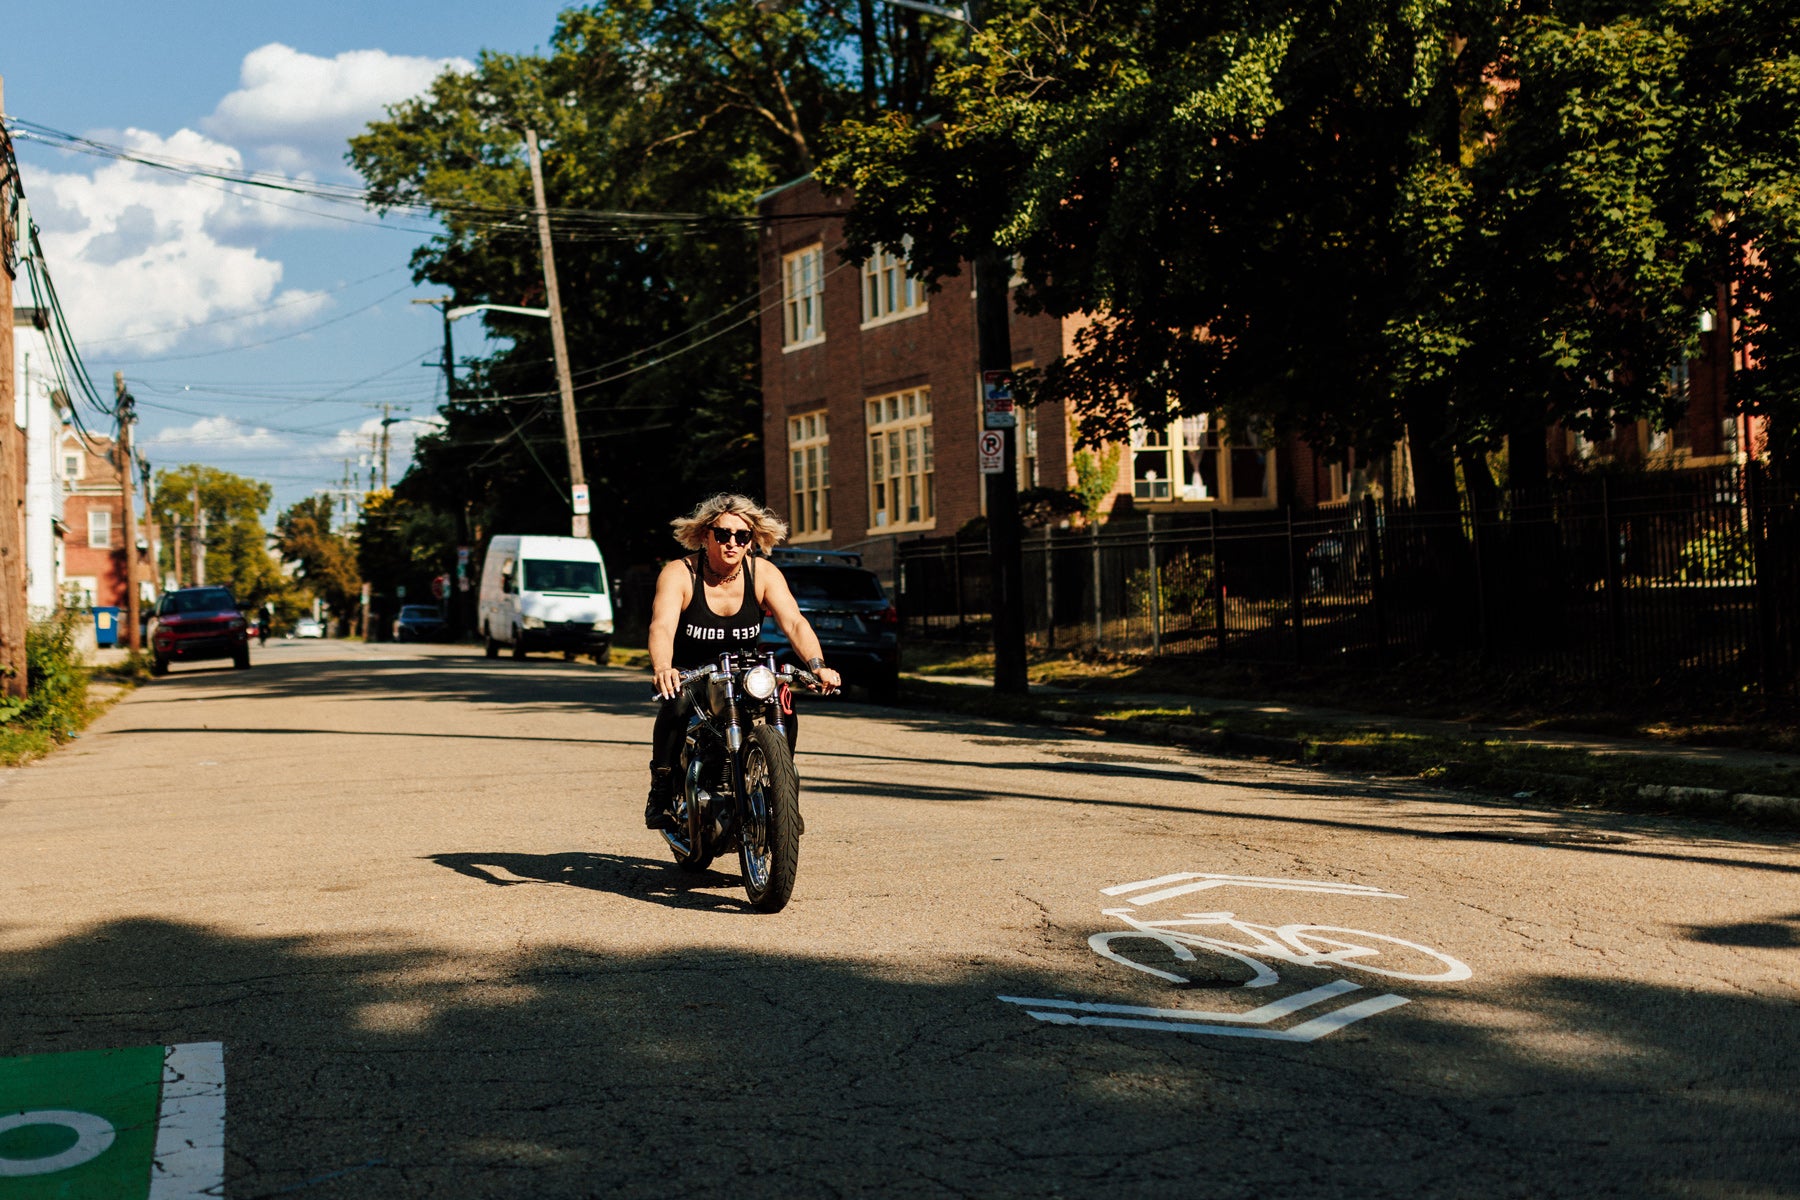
column 900, row 467
column 100, row 529
column 809, row 476
column 71, row 465
column 1191, row 459
column 803, row 296
column 888, row 292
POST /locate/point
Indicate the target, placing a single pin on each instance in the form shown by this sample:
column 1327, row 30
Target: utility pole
column 564, row 384
column 386, row 420
column 993, row 335
column 127, row 407
column 12, row 490
column 198, row 534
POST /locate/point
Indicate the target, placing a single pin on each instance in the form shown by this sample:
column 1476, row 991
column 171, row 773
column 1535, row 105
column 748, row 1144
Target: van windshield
column 556, row 575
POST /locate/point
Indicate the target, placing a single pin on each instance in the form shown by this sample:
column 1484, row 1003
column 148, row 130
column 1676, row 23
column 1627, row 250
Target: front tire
column 769, row 844
column 518, row 645
column 493, row 648
column 159, row 665
column 241, row 659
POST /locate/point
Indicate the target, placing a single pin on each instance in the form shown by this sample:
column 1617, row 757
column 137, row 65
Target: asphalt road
column 409, row 891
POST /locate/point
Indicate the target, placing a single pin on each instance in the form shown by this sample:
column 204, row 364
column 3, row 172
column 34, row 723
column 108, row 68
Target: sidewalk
column 1748, row 784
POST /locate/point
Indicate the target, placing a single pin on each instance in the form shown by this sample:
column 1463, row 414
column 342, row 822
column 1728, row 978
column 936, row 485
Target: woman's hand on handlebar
column 667, row 682
column 830, row 678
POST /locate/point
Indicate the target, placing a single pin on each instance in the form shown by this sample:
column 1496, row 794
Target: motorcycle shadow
column 657, row 881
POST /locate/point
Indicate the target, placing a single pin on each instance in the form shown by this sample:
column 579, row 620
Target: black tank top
column 703, row 635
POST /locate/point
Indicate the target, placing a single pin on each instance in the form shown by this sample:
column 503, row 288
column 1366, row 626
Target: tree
column 1463, row 221
column 661, row 122
column 236, row 547
column 326, row 560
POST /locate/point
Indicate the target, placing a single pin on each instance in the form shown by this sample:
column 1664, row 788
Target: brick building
column 872, row 402
column 94, row 517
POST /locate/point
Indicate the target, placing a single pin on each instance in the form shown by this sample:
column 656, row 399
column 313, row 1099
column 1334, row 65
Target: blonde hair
column 765, row 526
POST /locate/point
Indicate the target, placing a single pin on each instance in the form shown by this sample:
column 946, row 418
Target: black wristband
column 815, row 664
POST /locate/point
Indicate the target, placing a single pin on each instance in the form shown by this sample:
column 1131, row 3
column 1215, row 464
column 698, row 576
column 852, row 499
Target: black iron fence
column 1688, row 578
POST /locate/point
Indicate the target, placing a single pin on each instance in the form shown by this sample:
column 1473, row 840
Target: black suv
column 856, row 623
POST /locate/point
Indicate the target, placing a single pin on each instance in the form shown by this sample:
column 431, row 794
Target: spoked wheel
column 769, row 845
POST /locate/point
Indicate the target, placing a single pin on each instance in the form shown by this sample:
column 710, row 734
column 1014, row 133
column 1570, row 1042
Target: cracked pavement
column 408, row 889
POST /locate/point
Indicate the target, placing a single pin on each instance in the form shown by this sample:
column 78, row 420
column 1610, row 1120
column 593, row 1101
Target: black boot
column 656, row 808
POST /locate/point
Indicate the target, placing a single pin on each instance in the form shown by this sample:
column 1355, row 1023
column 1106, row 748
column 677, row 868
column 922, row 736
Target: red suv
column 195, row 623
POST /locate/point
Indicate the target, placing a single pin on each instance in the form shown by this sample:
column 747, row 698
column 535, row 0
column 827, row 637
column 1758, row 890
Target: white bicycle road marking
column 1209, row 881
column 189, row 1161
column 1296, row 943
column 1178, row 1020
column 1299, row 943
column 93, row 1137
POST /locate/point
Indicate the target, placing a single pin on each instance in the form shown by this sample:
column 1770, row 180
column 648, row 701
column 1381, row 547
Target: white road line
column 1272, row 1011
column 1307, row 1031
column 1208, row 881
column 190, row 1130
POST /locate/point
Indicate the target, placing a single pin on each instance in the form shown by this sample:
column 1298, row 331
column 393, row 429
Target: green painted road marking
column 146, row 1123
column 79, row 1126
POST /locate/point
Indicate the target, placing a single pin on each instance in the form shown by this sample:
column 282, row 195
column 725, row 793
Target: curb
column 1519, row 784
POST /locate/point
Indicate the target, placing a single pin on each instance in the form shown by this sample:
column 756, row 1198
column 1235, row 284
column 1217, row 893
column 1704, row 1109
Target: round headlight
column 760, row 682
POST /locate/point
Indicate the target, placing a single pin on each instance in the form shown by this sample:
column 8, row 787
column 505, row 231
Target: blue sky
column 259, row 339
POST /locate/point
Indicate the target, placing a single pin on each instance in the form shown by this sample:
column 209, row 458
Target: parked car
column 191, row 624
column 858, row 628
column 419, row 623
column 545, row 593
column 309, row 627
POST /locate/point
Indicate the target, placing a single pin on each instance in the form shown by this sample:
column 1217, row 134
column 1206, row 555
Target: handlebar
column 789, row 672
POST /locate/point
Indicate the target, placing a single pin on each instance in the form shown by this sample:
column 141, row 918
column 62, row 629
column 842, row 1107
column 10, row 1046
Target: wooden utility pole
column 12, row 488
column 127, row 407
column 386, row 420
column 198, row 534
column 564, row 383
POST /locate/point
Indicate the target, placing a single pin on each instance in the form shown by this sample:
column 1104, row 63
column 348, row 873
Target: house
column 38, row 403
column 872, row 402
column 89, row 473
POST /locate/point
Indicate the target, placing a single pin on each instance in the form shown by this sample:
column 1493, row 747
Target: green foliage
column 1096, row 475
column 55, row 701
column 1460, row 221
column 1716, row 556
column 237, row 553
column 685, row 107
column 1187, row 590
column 1041, row 506
column 327, row 561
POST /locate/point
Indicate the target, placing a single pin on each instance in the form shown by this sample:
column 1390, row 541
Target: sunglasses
column 725, row 537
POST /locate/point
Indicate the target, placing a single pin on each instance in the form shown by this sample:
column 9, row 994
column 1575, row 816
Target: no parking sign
column 991, row 447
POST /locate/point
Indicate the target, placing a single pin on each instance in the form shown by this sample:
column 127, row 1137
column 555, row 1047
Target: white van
column 545, row 593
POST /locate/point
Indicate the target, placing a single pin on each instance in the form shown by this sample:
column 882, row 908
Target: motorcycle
column 735, row 783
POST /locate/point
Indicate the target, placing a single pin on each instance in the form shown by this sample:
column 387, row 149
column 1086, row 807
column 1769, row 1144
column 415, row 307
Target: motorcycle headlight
column 533, row 622
column 760, row 682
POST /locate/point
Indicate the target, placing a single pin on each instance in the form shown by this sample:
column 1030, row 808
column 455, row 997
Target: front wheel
column 241, row 660
column 769, row 844
column 492, row 648
column 518, row 644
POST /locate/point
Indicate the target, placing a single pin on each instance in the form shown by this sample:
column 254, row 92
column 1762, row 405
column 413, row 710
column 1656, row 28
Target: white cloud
column 218, row 433
column 136, row 253
column 362, row 444
column 295, row 111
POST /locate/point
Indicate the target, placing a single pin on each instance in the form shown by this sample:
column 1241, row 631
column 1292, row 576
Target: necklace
column 722, row 580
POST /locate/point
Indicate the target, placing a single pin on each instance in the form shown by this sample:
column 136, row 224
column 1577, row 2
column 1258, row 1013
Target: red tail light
column 890, row 616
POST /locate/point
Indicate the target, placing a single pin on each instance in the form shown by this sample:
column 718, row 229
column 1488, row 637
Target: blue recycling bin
column 106, row 625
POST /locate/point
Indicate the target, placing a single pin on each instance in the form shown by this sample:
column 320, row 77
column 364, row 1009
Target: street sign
column 991, row 448
column 580, row 495
column 997, row 400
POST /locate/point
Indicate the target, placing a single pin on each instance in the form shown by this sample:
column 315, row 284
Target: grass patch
column 59, row 701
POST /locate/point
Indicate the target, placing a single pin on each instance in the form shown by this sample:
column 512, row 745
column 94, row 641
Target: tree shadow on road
column 388, row 1066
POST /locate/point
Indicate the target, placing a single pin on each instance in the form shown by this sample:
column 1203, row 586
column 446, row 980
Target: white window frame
column 1172, row 443
column 809, row 478
column 77, row 456
column 803, row 297
column 888, row 292
column 97, row 519
column 902, row 468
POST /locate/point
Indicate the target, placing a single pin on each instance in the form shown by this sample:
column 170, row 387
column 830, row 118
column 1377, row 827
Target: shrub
column 1716, row 555
column 55, row 679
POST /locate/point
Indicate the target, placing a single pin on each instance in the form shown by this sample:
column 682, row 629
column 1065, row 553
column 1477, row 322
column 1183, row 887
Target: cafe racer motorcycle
column 735, row 783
